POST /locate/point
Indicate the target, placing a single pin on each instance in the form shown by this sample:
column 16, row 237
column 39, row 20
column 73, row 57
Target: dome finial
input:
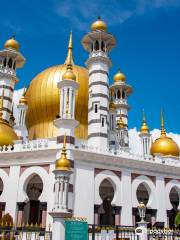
column 63, row 163
column 163, row 131
column 144, row 127
column 69, row 57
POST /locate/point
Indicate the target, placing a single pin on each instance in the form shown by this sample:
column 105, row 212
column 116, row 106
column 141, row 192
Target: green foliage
column 177, row 219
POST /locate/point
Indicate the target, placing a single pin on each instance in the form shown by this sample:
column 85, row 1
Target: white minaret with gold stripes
column 10, row 60
column 98, row 43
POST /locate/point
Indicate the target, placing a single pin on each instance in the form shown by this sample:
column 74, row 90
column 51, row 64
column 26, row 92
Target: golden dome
column 69, row 74
column 43, row 101
column 99, row 25
column 12, row 43
column 144, row 127
column 164, row 145
column 119, row 76
column 63, row 163
column 7, row 134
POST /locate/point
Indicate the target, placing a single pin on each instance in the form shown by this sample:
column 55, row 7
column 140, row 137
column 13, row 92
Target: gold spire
column 120, row 123
column 144, row 127
column 69, row 57
column 63, row 163
column 23, row 99
column 69, row 74
column 163, row 131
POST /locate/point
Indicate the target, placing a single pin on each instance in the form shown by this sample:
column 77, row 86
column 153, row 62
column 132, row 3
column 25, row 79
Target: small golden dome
column 7, row 134
column 119, row 76
column 120, row 123
column 12, row 44
column 112, row 105
column 144, row 127
column 164, row 145
column 99, row 25
column 69, row 74
column 63, row 163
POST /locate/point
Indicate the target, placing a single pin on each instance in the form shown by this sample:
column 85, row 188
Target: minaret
column 21, row 121
column 66, row 123
column 145, row 137
column 60, row 209
column 112, row 126
column 10, row 60
column 98, row 43
column 120, row 93
column 122, row 134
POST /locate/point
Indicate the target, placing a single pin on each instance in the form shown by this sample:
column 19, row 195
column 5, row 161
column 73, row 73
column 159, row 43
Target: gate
column 103, row 232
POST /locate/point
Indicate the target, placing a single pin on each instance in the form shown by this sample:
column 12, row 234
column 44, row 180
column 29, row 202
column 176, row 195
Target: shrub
column 177, row 219
column 6, row 220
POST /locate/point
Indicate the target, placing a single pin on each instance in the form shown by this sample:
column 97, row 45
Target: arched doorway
column 174, row 199
column 32, row 211
column 142, row 194
column 106, row 212
column 1, row 186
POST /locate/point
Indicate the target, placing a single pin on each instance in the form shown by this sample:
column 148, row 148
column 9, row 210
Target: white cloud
column 79, row 12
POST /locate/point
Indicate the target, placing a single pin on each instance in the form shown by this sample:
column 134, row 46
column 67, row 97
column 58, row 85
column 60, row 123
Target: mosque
column 69, row 152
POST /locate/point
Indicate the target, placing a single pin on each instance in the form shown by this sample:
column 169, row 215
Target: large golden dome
column 43, row 100
column 164, row 145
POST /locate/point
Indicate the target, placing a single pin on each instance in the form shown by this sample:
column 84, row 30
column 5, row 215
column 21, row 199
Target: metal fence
column 22, row 234
column 102, row 232
column 163, row 234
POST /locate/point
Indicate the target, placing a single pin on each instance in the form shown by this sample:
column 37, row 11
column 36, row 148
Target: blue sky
column 148, row 46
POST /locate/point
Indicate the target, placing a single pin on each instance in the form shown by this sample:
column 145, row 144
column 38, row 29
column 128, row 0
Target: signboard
column 76, row 230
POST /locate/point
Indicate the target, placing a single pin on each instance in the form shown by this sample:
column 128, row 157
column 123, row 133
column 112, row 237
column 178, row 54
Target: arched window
column 106, row 211
column 102, row 122
column 118, row 94
column 102, row 46
column 174, row 199
column 4, row 62
column 32, row 208
column 14, row 65
column 95, row 108
column 96, row 47
column 123, row 94
column 10, row 63
column 91, row 47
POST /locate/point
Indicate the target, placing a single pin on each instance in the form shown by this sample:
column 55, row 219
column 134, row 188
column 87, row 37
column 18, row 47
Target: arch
column 149, row 185
column 25, row 178
column 115, row 182
column 14, row 65
column 10, row 62
column 102, row 46
column 4, row 177
column 169, row 186
column 96, row 46
column 4, row 62
column 118, row 94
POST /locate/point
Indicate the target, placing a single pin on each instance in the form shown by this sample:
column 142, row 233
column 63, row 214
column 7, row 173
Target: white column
column 126, row 211
column 61, row 102
column 11, row 196
column 160, row 194
column 70, row 102
column 58, row 230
